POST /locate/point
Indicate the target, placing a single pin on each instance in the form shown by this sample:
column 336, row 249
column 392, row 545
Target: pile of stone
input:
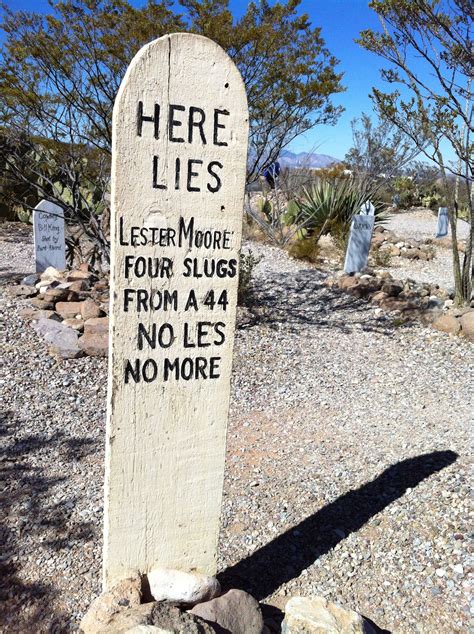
column 408, row 300
column 170, row 601
column 387, row 241
column 68, row 309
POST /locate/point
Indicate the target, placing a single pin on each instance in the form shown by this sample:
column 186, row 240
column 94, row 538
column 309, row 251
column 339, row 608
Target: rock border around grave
column 407, row 300
column 76, row 302
column 173, row 601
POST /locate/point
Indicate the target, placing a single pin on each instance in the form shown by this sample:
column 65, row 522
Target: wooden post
column 180, row 129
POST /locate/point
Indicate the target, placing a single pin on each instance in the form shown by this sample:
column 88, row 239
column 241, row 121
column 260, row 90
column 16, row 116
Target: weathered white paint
column 358, row 246
column 48, row 230
column 166, row 439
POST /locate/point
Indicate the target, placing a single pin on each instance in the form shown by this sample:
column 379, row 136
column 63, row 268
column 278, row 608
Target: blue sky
column 341, row 22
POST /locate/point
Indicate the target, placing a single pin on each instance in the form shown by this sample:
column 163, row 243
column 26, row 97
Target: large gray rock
column 63, row 341
column 30, row 280
column 235, row 611
column 319, row 616
column 181, row 587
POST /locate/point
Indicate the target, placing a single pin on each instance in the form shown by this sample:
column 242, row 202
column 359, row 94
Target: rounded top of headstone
column 182, row 46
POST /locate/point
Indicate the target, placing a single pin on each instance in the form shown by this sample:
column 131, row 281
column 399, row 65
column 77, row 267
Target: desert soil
column 347, row 465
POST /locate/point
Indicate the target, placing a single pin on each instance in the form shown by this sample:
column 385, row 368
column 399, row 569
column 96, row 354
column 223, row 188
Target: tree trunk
column 467, row 266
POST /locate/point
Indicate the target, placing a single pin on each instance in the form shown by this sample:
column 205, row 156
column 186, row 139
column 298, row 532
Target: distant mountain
column 306, row 159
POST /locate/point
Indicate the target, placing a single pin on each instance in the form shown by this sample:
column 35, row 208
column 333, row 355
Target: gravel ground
column 347, row 466
column 418, row 225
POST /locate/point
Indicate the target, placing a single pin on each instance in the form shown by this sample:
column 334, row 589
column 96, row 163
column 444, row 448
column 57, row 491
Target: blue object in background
column 272, row 173
column 443, row 223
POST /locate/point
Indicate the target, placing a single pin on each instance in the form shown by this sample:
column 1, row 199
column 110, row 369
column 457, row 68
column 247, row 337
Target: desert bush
column 247, row 264
column 305, row 248
column 407, row 190
column 431, row 200
column 327, row 208
column 382, row 257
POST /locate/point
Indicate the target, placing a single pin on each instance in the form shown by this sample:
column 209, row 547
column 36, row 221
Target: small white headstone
column 443, row 222
column 358, row 247
column 180, row 129
column 48, row 229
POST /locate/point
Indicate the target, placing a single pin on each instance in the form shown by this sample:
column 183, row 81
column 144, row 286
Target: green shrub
column 23, row 214
column 407, row 190
column 382, row 257
column 248, row 261
column 306, row 248
column 328, row 207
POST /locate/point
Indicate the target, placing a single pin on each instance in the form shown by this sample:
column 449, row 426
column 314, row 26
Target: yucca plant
column 327, row 208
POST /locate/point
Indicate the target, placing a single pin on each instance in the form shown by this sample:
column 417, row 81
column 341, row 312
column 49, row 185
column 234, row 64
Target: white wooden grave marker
column 48, row 231
column 180, row 128
column 358, row 247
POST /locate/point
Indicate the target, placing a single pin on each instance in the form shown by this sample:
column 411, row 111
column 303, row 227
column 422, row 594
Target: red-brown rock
column 68, row 309
column 75, row 324
column 348, row 282
column 378, row 297
column 97, row 326
column 467, row 325
column 56, row 295
column 33, row 313
column 447, row 323
column 90, row 310
column 41, row 304
column 94, row 345
column 78, row 286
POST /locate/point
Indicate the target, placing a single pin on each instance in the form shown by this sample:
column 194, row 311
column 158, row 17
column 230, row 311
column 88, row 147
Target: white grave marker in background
column 443, row 222
column 358, row 247
column 48, row 229
column 180, row 128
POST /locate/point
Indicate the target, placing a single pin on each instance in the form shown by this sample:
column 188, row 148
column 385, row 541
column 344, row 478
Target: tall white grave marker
column 180, row 128
column 358, row 247
column 443, row 222
column 48, row 230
